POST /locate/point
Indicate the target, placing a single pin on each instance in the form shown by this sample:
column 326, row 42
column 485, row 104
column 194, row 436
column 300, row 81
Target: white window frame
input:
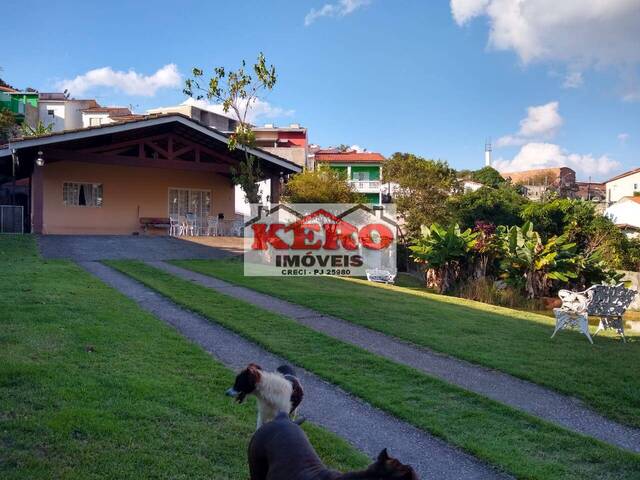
column 202, row 218
column 93, row 184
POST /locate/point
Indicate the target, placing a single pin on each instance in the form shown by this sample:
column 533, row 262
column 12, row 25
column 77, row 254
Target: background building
column 24, row 105
column 626, row 184
column 215, row 120
column 625, row 213
column 536, row 183
column 96, row 116
column 62, row 113
column 362, row 169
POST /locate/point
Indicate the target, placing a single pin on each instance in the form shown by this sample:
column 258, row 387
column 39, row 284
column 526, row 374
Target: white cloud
column 340, row 8
column 623, row 137
column 541, row 122
column 130, row 82
column 543, row 155
column 259, row 109
column 582, row 34
column 573, row 80
column 465, row 10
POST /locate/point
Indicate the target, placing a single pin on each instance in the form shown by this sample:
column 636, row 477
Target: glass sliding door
column 183, row 201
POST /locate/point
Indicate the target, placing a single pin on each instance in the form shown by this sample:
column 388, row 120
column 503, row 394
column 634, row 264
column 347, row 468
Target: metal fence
column 11, row 219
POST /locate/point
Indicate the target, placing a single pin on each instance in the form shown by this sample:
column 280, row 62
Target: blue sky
column 434, row 78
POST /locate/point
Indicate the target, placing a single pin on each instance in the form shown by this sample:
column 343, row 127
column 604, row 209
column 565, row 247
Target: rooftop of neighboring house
column 268, row 127
column 13, row 91
column 333, row 155
column 635, row 199
column 625, row 174
column 111, row 111
column 49, row 96
column 62, row 97
column 540, row 176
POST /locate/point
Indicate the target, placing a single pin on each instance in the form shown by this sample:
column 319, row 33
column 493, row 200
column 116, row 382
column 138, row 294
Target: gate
column 11, row 219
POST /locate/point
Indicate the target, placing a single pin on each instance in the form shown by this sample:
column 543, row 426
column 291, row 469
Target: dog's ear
column 254, row 373
column 383, row 456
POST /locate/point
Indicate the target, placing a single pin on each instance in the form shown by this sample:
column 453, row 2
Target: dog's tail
column 286, row 370
column 299, row 420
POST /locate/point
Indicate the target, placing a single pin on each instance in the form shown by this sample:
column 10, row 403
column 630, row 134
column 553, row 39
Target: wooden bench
column 380, row 276
column 604, row 301
column 154, row 222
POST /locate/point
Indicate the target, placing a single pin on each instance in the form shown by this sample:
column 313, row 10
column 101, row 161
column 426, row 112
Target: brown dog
column 279, row 450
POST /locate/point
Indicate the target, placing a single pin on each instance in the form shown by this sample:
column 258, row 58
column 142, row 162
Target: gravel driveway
column 87, row 248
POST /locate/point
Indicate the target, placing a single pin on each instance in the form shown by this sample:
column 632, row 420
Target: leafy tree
column 444, row 252
column 322, row 185
column 630, row 254
column 583, row 225
column 593, row 269
column 237, row 91
column 530, row 263
column 500, row 206
column 2, row 82
column 7, row 125
column 39, row 129
column 557, row 216
column 488, row 176
column 423, row 187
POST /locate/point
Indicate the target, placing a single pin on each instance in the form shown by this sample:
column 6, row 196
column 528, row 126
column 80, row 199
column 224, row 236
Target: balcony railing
column 366, row 185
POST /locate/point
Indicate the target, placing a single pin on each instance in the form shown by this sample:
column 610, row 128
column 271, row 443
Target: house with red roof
column 362, row 169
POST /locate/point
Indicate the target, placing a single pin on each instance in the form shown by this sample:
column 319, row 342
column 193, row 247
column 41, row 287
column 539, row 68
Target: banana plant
column 594, row 270
column 444, row 251
column 531, row 264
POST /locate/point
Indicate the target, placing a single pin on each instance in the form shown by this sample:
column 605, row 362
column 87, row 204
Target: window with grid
column 82, row 194
column 183, row 201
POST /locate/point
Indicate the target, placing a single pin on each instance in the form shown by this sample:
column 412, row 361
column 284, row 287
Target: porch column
column 37, row 200
column 274, row 195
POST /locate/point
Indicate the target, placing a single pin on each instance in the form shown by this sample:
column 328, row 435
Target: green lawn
column 514, row 441
column 93, row 387
column 604, row 375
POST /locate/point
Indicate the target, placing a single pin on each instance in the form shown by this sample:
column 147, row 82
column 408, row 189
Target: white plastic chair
column 236, row 228
column 191, row 226
column 175, row 227
column 212, row 226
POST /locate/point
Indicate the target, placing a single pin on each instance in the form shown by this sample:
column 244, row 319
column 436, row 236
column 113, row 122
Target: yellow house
column 110, row 179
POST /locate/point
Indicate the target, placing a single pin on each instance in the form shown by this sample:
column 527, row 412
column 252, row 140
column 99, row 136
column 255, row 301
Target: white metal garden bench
column 380, row 276
column 604, row 301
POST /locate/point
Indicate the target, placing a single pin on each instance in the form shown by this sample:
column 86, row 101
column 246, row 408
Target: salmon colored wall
column 297, row 138
column 128, row 192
